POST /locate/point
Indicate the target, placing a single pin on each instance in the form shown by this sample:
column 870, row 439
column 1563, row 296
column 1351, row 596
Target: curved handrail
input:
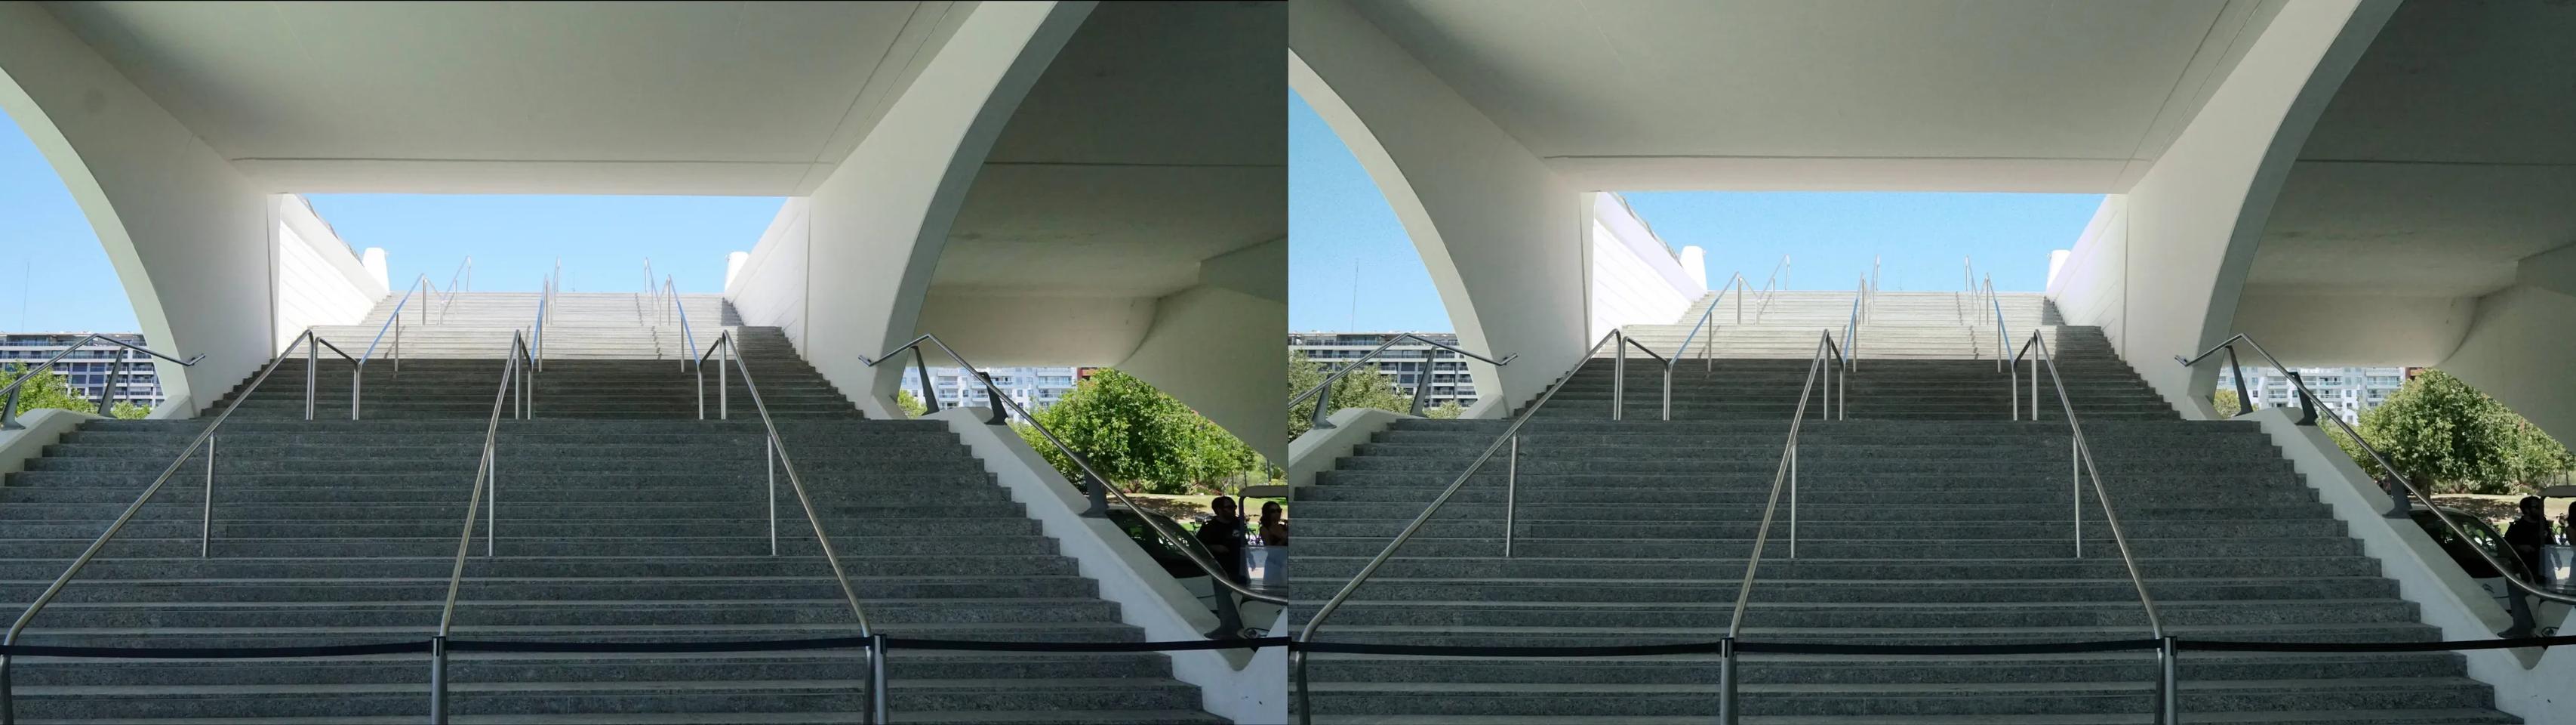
column 2084, row 455
column 1708, row 350
column 2512, row 575
column 1422, row 381
column 1219, row 574
column 113, row 527
column 9, row 393
column 1315, row 623
column 1784, row 476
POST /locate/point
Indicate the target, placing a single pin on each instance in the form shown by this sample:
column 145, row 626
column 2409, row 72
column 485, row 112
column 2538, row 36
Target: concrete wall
column 1500, row 233
column 1636, row 279
column 189, row 237
column 2185, row 232
column 318, row 281
column 2516, row 349
column 768, row 289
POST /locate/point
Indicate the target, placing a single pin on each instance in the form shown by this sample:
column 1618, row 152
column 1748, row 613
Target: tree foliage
column 2226, row 403
column 2439, row 430
column 53, row 390
column 911, row 406
column 1138, row 437
column 1362, row 388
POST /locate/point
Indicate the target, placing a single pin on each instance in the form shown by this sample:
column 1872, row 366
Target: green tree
column 2226, row 403
column 2439, row 430
column 1445, row 411
column 48, row 390
column 1137, row 436
column 911, row 406
column 129, row 411
column 1362, row 388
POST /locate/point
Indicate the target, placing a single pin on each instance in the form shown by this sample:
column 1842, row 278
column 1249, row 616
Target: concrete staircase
column 583, row 326
column 621, row 517
column 1926, row 518
column 1901, row 326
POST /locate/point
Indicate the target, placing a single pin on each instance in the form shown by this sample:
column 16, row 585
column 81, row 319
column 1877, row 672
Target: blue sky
column 56, row 277
column 1337, row 218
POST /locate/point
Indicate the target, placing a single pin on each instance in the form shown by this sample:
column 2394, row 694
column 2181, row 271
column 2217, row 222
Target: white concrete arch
column 187, row 234
column 1499, row 232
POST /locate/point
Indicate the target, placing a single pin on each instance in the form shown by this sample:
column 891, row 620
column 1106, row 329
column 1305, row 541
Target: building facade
column 1404, row 362
column 2347, row 391
column 87, row 367
column 1033, row 388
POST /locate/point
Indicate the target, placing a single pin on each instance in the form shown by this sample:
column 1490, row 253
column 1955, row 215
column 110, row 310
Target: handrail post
column 1324, row 402
column 1618, row 372
column 877, row 710
column 206, row 522
column 1511, row 494
column 107, row 393
column 929, row 395
column 2244, row 400
column 769, row 465
column 311, row 353
column 438, row 680
column 1421, row 382
column 1668, row 390
column 1726, row 710
column 992, row 399
column 2168, row 681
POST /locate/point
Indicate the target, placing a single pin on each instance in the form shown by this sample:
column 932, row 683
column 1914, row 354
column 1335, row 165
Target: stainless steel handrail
column 1421, row 386
column 9, row 405
column 393, row 322
column 1783, row 476
column 2168, row 696
column 1777, row 283
column 1510, row 436
column 2083, row 454
column 537, row 336
column 464, row 269
column 1099, row 486
column 795, row 483
column 312, row 345
column 687, row 337
column 2003, row 337
column 486, row 478
column 204, row 437
column 1851, row 328
column 1708, row 349
column 1619, row 375
column 2512, row 574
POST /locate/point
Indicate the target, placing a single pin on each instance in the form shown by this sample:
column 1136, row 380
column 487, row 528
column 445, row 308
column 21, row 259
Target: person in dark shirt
column 1222, row 534
column 2527, row 535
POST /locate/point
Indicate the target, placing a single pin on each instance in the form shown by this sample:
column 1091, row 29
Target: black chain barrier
column 1645, row 650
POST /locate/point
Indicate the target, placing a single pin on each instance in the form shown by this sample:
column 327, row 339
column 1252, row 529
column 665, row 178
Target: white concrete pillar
column 733, row 266
column 374, row 260
column 1695, row 264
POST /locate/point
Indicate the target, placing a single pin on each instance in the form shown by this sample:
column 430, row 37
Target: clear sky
column 56, row 277
column 514, row 240
column 1337, row 218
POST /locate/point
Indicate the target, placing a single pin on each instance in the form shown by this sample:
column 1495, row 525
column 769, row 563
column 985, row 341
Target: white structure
column 1450, row 380
column 1032, row 387
column 1636, row 279
column 88, row 367
column 2347, row 391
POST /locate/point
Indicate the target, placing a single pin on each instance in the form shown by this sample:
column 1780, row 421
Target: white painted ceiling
column 1156, row 139
column 1958, row 95
column 748, row 98
column 2447, row 155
